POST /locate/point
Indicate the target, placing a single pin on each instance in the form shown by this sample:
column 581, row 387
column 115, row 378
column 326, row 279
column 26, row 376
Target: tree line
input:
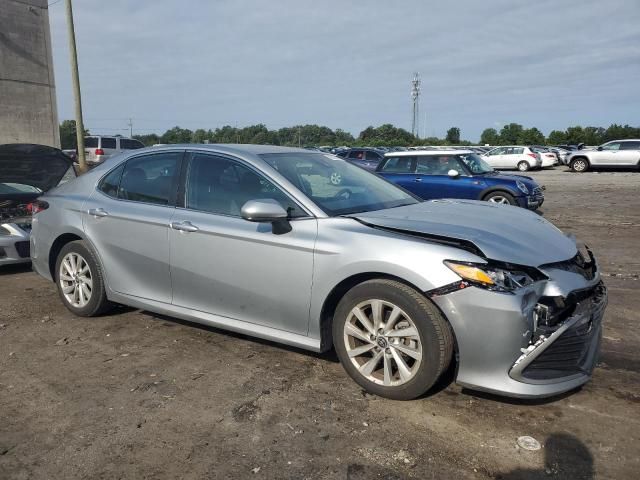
column 384, row 135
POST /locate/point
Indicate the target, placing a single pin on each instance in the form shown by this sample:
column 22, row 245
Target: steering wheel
column 344, row 193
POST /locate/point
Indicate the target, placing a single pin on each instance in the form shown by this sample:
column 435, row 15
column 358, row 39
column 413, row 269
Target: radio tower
column 415, row 96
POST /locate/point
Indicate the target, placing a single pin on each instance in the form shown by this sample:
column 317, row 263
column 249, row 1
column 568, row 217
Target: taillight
column 99, row 151
column 532, row 155
column 37, row 207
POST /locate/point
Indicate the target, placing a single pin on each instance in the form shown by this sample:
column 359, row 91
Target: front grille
column 23, row 248
column 537, row 191
column 577, row 264
column 571, row 353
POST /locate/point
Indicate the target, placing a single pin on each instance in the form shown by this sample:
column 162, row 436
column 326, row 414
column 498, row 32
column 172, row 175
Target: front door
column 435, row 182
column 127, row 221
column 228, row 266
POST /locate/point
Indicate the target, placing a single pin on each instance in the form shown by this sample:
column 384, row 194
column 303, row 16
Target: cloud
column 347, row 64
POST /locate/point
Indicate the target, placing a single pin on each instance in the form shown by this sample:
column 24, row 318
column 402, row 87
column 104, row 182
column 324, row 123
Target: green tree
column 489, row 136
column 68, row 139
column 510, row 133
column 453, row 135
column 148, row 139
column 557, row 137
column 176, row 135
column 575, row 135
column 531, row 136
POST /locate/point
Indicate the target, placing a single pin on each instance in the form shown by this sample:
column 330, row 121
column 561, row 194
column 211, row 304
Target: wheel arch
column 498, row 188
column 57, row 245
column 333, row 298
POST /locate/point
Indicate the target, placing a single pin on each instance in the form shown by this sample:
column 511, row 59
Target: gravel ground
column 136, row 395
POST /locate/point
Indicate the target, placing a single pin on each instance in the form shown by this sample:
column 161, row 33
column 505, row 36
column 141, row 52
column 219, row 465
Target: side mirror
column 453, row 173
column 267, row 210
column 600, row 149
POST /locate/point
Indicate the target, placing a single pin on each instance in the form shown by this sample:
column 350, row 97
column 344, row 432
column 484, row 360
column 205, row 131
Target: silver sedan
column 259, row 240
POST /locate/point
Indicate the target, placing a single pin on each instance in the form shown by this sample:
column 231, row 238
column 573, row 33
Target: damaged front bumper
column 540, row 341
column 14, row 242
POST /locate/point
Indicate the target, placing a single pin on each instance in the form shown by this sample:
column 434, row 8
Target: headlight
column 523, row 188
column 4, row 231
column 494, row 277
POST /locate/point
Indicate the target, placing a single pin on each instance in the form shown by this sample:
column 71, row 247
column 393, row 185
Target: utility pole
column 130, row 125
column 76, row 87
column 299, row 138
column 415, row 96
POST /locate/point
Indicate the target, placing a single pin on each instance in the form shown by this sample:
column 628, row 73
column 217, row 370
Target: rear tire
column 80, row 280
column 397, row 353
column 579, row 165
column 523, row 166
column 502, row 198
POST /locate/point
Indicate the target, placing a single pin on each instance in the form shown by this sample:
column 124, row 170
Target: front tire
column 502, row 198
column 391, row 340
column 523, row 166
column 80, row 280
column 579, row 165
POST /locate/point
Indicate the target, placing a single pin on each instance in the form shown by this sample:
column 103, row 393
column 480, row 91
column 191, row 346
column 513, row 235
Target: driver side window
column 611, row 146
column 222, row 186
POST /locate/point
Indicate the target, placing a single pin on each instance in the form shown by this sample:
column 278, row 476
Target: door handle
column 417, row 179
column 98, row 212
column 184, row 226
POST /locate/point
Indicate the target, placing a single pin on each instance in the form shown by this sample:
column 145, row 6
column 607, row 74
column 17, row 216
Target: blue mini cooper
column 458, row 174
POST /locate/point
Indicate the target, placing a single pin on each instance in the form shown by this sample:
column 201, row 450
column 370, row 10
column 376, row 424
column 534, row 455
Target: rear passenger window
column 108, row 142
column 372, row 156
column 151, row 178
column 91, row 142
column 516, row 151
column 630, row 146
column 222, row 186
column 130, row 144
column 358, row 155
column 109, row 184
column 399, row 165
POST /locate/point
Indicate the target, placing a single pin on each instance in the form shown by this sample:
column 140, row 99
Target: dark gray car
column 258, row 240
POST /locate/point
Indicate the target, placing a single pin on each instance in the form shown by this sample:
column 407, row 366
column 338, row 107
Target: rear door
column 629, row 153
column 127, row 221
column 225, row 265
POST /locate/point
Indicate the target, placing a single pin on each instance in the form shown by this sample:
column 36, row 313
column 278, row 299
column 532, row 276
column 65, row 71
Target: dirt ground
column 133, row 395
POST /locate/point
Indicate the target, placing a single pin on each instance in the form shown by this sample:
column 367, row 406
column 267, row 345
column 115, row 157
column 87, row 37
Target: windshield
column 336, row 186
column 18, row 188
column 476, row 164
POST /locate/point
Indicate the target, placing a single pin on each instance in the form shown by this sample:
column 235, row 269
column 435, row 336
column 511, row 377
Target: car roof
column 237, row 148
column 420, row 153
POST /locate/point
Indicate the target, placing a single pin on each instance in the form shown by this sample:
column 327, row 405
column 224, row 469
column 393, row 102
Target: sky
column 348, row 64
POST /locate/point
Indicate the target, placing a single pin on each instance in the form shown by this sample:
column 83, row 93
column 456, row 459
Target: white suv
column 617, row 153
column 98, row 148
column 513, row 157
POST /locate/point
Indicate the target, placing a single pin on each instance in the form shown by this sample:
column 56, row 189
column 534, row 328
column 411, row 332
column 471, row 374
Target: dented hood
column 500, row 232
column 39, row 166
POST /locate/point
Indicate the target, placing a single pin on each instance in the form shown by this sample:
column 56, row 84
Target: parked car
column 367, row 158
column 617, row 153
column 26, row 171
column 98, row 148
column 458, row 174
column 513, row 157
column 255, row 239
column 561, row 153
column 548, row 157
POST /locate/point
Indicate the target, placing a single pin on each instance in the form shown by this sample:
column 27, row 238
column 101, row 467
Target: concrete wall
column 27, row 89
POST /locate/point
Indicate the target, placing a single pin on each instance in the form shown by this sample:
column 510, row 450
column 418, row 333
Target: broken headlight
column 501, row 278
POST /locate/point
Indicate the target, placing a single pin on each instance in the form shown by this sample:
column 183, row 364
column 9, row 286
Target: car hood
column 501, row 232
column 39, row 166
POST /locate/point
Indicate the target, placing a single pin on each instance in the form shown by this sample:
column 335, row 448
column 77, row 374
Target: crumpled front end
column 541, row 340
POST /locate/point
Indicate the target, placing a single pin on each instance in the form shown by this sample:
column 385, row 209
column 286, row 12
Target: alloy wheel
column 76, row 280
column 499, row 199
column 383, row 343
column 523, row 166
column 579, row 165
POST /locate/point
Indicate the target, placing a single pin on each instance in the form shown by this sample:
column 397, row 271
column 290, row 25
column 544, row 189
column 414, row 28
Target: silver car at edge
column 257, row 240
